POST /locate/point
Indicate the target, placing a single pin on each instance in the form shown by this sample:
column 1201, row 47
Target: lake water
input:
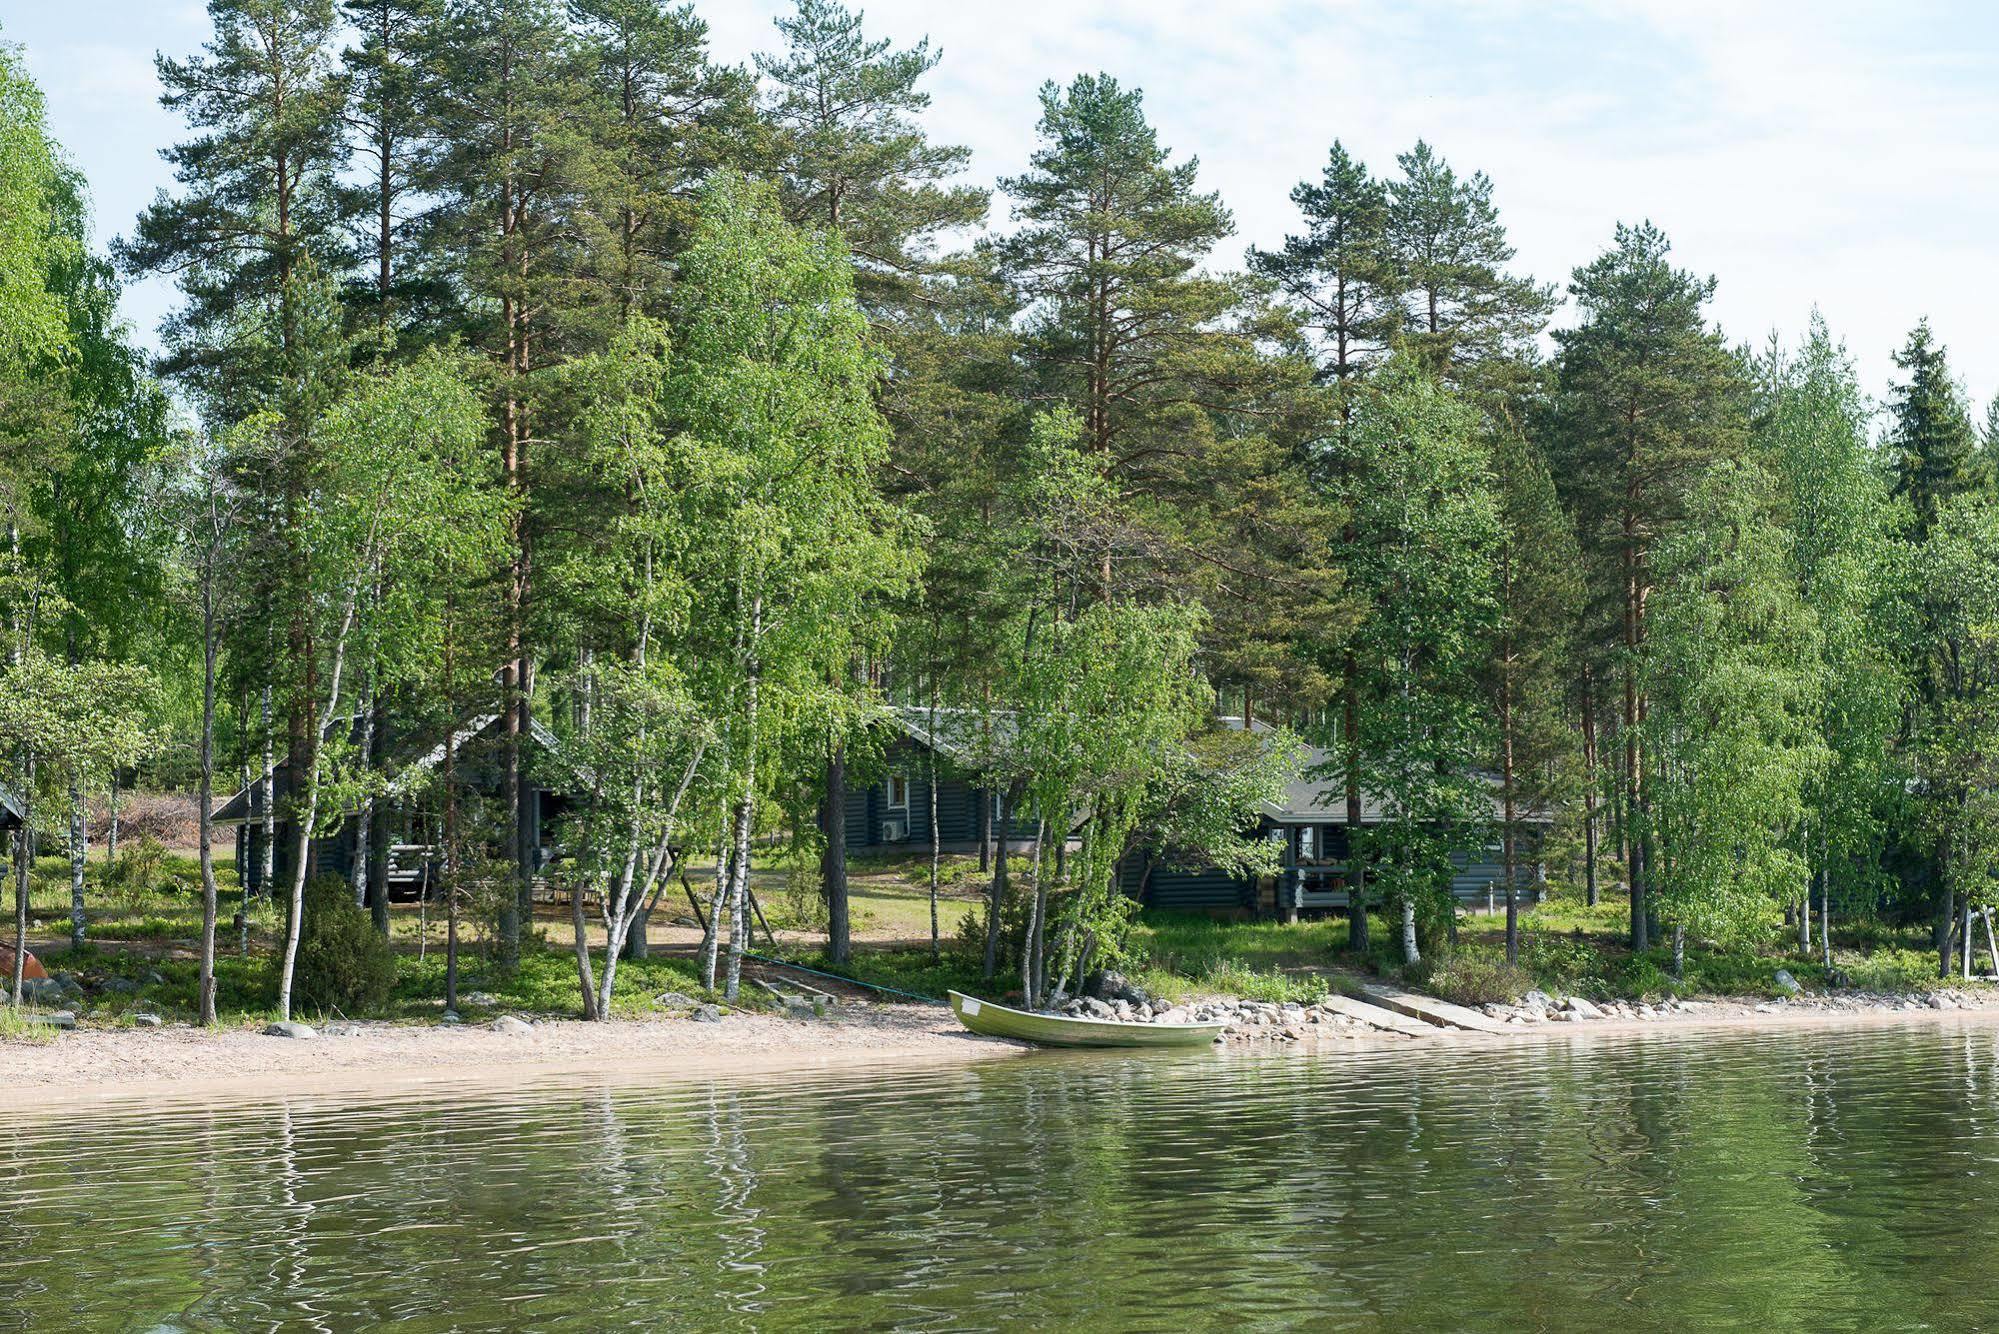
column 1818, row 1180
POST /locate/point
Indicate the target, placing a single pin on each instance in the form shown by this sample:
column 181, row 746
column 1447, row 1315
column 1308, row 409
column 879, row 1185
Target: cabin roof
column 236, row 810
column 974, row 737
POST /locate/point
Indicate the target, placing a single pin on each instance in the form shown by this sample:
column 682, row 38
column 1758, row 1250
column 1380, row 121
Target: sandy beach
column 108, row 1064
column 105, row 1066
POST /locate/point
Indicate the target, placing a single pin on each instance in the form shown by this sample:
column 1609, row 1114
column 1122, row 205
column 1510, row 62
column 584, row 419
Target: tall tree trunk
column 936, row 839
column 79, row 852
column 833, row 865
column 1634, row 753
column 1509, row 813
column 380, row 835
column 1030, row 953
column 746, row 807
column 111, row 834
column 309, row 818
column 1590, row 817
column 357, row 869
column 205, row 798
column 984, row 818
column 996, row 894
column 1357, row 929
column 24, row 861
column 268, row 855
column 711, row 931
column 1410, row 954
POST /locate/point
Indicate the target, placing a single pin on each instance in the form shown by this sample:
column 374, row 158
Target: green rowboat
column 1058, row 1030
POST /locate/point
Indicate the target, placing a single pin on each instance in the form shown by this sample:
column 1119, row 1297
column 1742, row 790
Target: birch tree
column 396, row 471
column 793, row 555
column 1421, row 552
column 1732, row 676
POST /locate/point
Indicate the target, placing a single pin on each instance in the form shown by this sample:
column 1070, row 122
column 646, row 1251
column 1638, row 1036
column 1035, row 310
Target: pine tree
column 1106, row 263
column 666, row 117
column 1647, row 398
column 395, row 295
column 854, row 161
column 853, row 158
column 1339, row 275
column 255, row 221
column 1930, row 439
column 252, row 239
column 1464, row 316
column 514, row 123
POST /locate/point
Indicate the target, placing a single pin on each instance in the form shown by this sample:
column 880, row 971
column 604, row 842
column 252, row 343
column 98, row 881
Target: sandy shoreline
column 182, row 1064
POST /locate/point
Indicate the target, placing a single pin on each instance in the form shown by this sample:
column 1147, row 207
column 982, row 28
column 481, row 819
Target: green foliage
column 1471, row 976
column 1930, row 440
column 1732, row 676
column 344, row 965
column 1420, row 550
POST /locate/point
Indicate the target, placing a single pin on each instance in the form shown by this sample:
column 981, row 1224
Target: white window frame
column 895, row 781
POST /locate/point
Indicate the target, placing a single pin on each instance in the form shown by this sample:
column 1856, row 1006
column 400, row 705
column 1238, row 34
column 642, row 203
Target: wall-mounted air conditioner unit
column 895, row 829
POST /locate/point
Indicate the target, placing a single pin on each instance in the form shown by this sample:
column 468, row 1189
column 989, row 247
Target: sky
column 1831, row 155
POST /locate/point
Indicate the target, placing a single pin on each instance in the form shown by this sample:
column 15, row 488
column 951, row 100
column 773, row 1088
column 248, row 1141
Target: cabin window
column 898, row 793
column 1308, row 843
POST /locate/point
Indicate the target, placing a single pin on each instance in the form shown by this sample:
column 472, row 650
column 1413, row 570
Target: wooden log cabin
column 888, row 807
column 405, row 822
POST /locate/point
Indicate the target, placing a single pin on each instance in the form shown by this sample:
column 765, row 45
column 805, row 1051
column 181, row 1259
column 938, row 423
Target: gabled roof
column 974, row 738
column 10, row 808
column 236, row 810
column 1318, row 794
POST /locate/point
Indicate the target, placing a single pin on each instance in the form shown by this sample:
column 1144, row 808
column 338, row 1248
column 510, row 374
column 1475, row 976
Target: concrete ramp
column 1374, row 1016
column 1430, row 1010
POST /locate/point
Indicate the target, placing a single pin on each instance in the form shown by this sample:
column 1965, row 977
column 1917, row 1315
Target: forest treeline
column 532, row 362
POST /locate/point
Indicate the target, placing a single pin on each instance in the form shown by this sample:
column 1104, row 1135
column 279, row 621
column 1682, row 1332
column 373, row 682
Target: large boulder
column 1785, row 983
column 509, row 1023
column 289, row 1028
column 42, row 990
column 1111, row 985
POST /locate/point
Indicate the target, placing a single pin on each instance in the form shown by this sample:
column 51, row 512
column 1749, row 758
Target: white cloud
column 1833, row 153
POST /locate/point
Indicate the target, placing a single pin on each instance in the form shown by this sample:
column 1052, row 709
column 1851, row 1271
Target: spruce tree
column 1930, row 440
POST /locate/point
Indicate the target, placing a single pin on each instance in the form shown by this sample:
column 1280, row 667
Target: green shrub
column 343, row 964
column 1476, row 977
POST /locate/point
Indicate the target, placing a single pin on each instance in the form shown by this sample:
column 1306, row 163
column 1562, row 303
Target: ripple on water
column 1822, row 1180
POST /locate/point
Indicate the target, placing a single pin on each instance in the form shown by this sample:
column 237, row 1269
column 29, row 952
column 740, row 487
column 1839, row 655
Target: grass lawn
column 143, row 932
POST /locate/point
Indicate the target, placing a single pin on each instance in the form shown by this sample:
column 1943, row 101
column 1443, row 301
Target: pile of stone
column 1538, row 1006
column 1246, row 1020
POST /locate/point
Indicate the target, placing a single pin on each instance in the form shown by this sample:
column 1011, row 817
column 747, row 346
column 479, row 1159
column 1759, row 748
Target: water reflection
column 1822, row 1180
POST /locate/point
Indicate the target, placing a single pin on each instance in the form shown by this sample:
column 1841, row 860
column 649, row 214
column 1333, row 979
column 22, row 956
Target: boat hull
column 1054, row 1030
